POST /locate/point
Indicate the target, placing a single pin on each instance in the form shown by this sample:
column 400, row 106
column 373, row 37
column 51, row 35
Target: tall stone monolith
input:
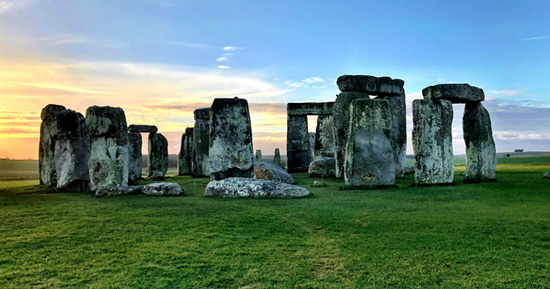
column 297, row 150
column 72, row 151
column 46, row 150
column 185, row 155
column 108, row 164
column 433, row 141
column 341, row 125
column 324, row 140
column 259, row 157
column 398, row 132
column 157, row 164
column 369, row 153
column 201, row 143
column 231, row 153
column 277, row 158
column 480, row 146
column 135, row 166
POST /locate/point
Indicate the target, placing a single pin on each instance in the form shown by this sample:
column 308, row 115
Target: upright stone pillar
column 341, row 125
column 231, row 153
column 108, row 165
column 324, row 140
column 398, row 132
column 433, row 141
column 185, row 155
column 157, row 166
column 46, row 151
column 259, row 157
column 201, row 143
column 72, row 151
column 480, row 147
column 311, row 147
column 277, row 158
column 134, row 151
column 297, row 146
column 369, row 153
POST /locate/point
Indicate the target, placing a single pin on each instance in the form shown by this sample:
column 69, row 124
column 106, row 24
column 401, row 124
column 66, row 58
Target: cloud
column 5, row 6
column 223, row 67
column 181, row 44
column 313, row 79
column 536, row 38
column 11, row 5
column 221, row 59
column 507, row 93
column 440, row 79
column 232, row 48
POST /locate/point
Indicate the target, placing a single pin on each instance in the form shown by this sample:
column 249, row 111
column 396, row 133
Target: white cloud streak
column 536, row 38
column 232, row 48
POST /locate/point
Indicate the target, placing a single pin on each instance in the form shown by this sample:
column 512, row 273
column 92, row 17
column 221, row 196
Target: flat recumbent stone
column 454, row 92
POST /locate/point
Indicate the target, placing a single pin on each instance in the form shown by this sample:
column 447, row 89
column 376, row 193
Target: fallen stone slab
column 454, row 92
column 155, row 189
column 271, row 172
column 322, row 168
column 142, row 128
column 371, row 84
column 546, row 176
column 253, row 188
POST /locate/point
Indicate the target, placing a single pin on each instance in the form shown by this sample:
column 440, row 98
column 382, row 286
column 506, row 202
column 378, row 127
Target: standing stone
column 134, row 161
column 481, row 157
column 108, row 165
column 341, row 125
column 311, row 147
column 324, row 140
column 433, row 141
column 231, row 153
column 46, row 150
column 398, row 132
column 297, row 147
column 201, row 143
column 185, row 156
column 72, row 151
column 277, row 158
column 158, row 156
column 259, row 156
column 369, row 153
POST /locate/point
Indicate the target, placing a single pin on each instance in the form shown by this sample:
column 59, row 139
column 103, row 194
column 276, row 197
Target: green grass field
column 494, row 235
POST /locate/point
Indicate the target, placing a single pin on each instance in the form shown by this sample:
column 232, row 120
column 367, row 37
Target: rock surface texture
column 398, row 132
column 297, row 149
column 134, row 160
column 267, row 171
column 481, row 156
column 369, row 154
column 108, row 165
column 231, row 153
column 258, row 156
column 253, row 188
column 341, row 125
column 433, row 141
column 72, row 151
column 277, row 158
column 323, row 168
column 371, row 84
column 142, row 128
column 157, row 165
column 201, row 143
column 455, row 92
column 155, row 189
column 46, row 151
column 185, row 156
column 324, row 139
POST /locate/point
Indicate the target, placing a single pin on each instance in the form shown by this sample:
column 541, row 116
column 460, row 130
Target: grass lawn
column 467, row 236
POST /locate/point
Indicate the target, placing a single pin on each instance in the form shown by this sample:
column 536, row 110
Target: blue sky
column 161, row 59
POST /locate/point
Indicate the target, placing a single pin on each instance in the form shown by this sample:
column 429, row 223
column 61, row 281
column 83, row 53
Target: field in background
column 466, row 235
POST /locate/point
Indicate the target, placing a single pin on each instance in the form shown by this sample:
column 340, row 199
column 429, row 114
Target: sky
column 160, row 59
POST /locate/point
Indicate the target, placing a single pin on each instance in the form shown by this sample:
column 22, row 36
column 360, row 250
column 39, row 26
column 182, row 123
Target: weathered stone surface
column 201, row 143
column 341, row 125
column 267, row 171
column 546, row 176
column 309, row 108
column 142, row 128
column 317, row 184
column 297, row 144
column 185, row 156
column 46, row 151
column 231, row 153
column 311, row 147
column 369, row 153
column 398, row 132
column 454, row 92
column 163, row 189
column 324, row 168
column 72, row 151
column 409, row 170
column 481, row 158
column 108, row 165
column 157, row 165
column 134, row 160
column 155, row 189
column 324, row 139
column 253, row 188
column 277, row 158
column 433, row 141
column 371, row 85
column 258, row 156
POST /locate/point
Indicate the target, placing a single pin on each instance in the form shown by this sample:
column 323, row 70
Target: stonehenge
column 231, row 152
column 258, row 156
column 134, row 157
column 185, row 155
column 277, row 158
column 46, row 151
column 253, row 188
column 157, row 164
column 201, row 143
